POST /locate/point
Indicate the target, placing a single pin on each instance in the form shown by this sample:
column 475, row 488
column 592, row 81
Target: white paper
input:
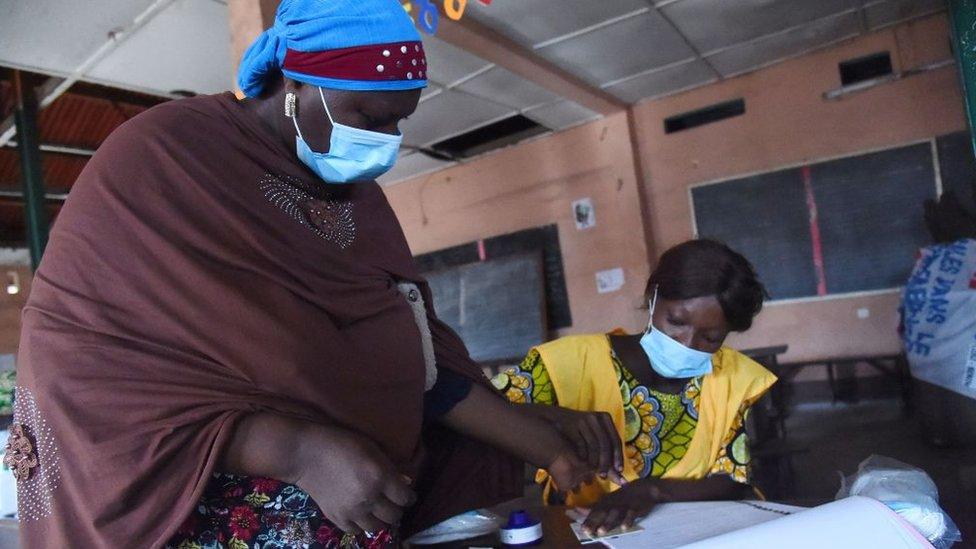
column 677, row 524
column 584, row 214
column 856, row 522
column 610, row 280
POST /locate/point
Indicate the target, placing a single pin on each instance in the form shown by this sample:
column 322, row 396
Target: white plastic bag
column 465, row 526
column 908, row 491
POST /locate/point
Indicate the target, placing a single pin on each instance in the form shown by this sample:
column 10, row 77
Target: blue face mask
column 668, row 357
column 354, row 154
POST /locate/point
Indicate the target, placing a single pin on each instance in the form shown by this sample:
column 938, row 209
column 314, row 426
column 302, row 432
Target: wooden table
column 893, row 367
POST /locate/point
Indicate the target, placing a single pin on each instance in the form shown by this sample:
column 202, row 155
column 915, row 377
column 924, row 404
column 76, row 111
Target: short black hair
column 700, row 268
column 948, row 220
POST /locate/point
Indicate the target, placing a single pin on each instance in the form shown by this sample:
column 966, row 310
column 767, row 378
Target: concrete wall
column 787, row 122
column 535, row 184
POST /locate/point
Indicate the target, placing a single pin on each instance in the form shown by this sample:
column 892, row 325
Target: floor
column 839, row 436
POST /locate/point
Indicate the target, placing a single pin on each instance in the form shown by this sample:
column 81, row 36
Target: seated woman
column 670, row 404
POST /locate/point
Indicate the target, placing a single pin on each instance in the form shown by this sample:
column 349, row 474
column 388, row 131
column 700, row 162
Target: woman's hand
column 567, row 470
column 520, row 431
column 351, row 480
column 595, row 438
column 634, row 501
column 623, row 507
column 346, row 474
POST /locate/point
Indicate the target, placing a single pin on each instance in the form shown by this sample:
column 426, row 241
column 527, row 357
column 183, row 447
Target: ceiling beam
column 58, row 149
column 247, row 20
column 490, row 45
column 8, row 192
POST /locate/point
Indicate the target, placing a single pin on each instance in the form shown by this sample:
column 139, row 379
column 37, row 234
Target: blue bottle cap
column 521, row 529
column 520, row 519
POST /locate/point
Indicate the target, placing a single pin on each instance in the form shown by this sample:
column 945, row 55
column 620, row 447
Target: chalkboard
column 448, row 257
column 871, row 216
column 957, row 167
column 446, row 288
column 496, row 306
column 868, row 224
column 544, row 240
column 763, row 217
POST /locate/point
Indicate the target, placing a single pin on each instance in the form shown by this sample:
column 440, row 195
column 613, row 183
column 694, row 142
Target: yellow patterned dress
column 658, row 426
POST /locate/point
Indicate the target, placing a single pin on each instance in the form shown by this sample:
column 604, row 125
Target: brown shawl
column 199, row 272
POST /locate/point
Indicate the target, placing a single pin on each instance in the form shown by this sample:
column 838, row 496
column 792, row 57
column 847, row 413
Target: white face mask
column 354, row 154
column 670, row 358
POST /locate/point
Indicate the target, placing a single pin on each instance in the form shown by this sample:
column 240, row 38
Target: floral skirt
column 259, row 513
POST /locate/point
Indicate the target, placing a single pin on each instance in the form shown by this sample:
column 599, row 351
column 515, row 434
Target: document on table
column 853, row 522
column 677, row 524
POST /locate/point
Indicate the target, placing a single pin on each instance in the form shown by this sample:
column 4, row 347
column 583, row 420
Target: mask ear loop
column 327, row 113
column 332, row 121
column 650, row 317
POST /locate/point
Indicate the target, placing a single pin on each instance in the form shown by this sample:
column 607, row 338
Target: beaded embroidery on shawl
column 331, row 220
column 35, row 493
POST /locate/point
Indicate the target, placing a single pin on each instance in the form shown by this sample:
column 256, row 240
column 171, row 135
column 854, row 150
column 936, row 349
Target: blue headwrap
column 304, row 27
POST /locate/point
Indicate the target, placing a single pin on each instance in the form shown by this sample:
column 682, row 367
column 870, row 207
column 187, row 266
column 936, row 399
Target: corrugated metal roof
column 81, row 118
column 79, row 121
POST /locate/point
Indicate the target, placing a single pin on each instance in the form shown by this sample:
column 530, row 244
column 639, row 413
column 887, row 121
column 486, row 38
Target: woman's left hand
column 623, row 507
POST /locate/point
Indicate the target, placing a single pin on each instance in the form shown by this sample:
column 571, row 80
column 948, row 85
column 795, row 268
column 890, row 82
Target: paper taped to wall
column 610, row 280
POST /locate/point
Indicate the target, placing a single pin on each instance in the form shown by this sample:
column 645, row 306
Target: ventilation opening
column 700, row 117
column 493, row 136
column 864, row 68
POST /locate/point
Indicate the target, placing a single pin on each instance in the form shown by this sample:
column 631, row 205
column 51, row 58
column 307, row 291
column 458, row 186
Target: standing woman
column 228, row 344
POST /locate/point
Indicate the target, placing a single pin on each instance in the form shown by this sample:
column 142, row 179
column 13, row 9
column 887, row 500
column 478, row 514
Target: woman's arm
column 714, row 488
column 592, row 434
column 261, row 445
column 350, row 479
column 487, row 417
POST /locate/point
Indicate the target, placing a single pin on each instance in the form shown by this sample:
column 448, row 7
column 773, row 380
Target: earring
column 290, row 104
